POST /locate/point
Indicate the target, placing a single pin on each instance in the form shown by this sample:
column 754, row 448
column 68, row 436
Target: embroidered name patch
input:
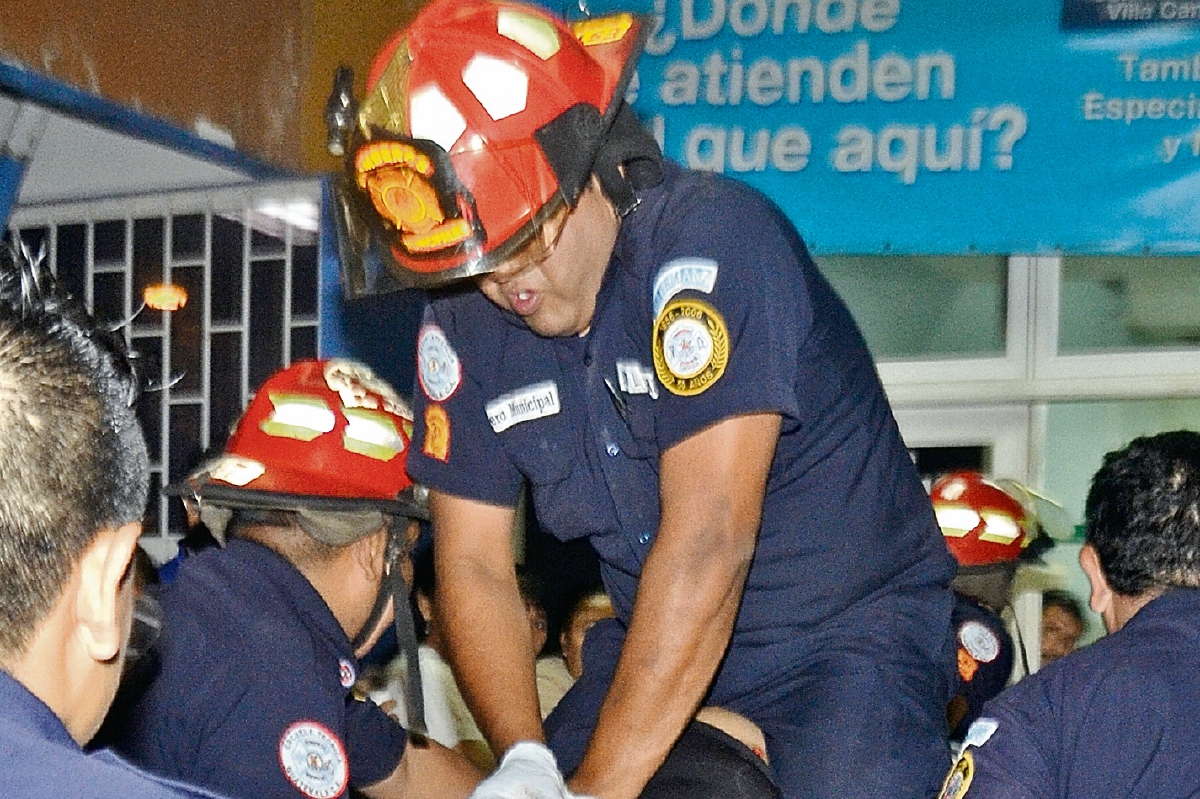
column 682, row 274
column 523, row 405
column 313, row 760
column 438, row 369
column 690, row 345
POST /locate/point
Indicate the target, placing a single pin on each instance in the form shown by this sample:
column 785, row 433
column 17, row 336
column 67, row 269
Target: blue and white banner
column 940, row 126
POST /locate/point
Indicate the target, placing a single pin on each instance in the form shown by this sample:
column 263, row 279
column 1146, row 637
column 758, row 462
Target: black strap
column 394, row 588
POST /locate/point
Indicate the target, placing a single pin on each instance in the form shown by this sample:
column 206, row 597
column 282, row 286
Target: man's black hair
column 1143, row 514
column 1058, row 598
column 72, row 457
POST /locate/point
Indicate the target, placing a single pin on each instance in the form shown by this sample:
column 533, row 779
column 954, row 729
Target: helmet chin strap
column 392, row 587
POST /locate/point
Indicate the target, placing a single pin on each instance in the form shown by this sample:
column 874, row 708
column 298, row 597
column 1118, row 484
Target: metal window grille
column 248, row 260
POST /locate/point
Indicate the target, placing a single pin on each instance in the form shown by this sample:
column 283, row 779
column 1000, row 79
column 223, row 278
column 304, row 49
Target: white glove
column 528, row 770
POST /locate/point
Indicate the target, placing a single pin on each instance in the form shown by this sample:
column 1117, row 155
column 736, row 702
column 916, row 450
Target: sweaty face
column 554, row 291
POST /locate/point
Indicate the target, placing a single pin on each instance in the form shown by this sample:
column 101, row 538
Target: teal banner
column 939, row 126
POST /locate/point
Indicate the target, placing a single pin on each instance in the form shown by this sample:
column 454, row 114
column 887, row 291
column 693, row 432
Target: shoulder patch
column 438, row 369
column 313, row 760
column 690, row 345
column 437, row 433
column 980, row 642
column 959, row 779
column 682, row 274
column 523, row 405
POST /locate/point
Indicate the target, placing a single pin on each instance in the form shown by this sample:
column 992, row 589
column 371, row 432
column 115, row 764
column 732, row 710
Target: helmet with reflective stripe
column 318, row 436
column 482, row 120
column 982, row 523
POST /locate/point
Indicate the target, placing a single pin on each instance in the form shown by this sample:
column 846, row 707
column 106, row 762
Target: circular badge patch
column 314, row 760
column 980, row 642
column 438, row 369
column 690, row 346
column 346, row 673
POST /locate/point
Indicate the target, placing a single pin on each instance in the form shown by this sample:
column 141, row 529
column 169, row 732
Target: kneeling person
column 254, row 694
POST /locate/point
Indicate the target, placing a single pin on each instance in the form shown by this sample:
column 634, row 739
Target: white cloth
column 553, row 681
column 446, row 715
column 527, row 771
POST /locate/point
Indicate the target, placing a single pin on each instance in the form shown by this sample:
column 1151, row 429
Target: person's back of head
column 1143, row 524
column 73, row 464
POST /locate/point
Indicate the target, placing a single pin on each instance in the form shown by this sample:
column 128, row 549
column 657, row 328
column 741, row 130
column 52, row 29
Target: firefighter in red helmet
column 655, row 355
column 987, row 529
column 252, row 696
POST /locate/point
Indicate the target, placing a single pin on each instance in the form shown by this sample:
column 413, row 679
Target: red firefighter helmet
column 318, row 435
column 982, row 523
column 482, row 121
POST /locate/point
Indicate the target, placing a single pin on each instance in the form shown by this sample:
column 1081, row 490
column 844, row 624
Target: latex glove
column 528, row 770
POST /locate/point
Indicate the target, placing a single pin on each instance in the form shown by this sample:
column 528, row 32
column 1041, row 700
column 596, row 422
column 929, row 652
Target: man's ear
column 100, row 626
column 1102, row 595
column 369, row 553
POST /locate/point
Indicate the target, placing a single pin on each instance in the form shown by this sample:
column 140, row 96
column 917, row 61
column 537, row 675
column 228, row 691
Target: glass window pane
column 185, row 440
column 153, row 503
column 225, row 385
column 71, row 259
column 264, row 243
column 228, row 238
column 108, row 245
column 1113, row 303
column 304, row 280
column 149, row 407
column 147, row 268
column 304, row 343
column 186, row 330
column 266, row 321
column 108, row 298
column 925, row 306
column 187, row 236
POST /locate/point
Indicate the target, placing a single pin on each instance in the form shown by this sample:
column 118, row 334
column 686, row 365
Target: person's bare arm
column 432, row 772
column 483, row 618
column 712, row 486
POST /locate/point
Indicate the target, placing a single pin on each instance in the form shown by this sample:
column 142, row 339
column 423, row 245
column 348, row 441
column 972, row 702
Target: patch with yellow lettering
column 959, row 779
column 437, row 433
column 690, row 345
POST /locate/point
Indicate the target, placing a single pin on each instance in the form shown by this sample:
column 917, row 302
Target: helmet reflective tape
column 1000, row 528
column 298, row 416
column 501, row 88
column 533, row 33
column 957, row 522
column 371, row 433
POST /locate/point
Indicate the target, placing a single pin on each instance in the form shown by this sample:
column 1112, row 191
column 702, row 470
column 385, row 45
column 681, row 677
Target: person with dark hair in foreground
column 73, row 481
column 254, row 696
column 1120, row 718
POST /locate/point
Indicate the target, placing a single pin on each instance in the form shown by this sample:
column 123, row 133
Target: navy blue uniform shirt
column 253, row 693
column 42, row 761
column 586, row 419
column 1119, row 718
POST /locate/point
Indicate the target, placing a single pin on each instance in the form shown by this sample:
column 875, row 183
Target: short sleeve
column 1005, row 751
column 729, row 307
column 453, row 447
column 374, row 743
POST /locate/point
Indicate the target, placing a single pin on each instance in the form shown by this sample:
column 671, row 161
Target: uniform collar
column 18, row 706
column 299, row 592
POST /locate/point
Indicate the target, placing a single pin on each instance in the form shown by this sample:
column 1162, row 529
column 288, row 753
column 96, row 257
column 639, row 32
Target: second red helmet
column 982, row 523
